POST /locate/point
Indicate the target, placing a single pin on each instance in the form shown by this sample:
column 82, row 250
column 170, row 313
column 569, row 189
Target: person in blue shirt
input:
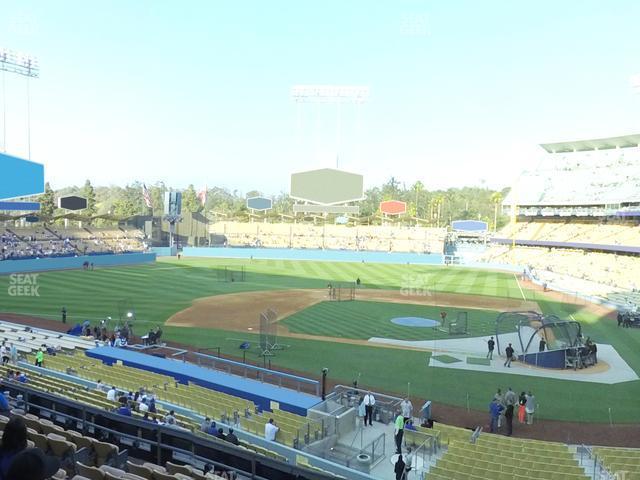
column 4, row 404
column 212, row 430
column 124, row 410
column 14, row 440
column 495, row 409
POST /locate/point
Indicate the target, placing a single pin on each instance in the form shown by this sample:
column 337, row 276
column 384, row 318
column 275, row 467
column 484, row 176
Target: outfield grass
column 158, row 291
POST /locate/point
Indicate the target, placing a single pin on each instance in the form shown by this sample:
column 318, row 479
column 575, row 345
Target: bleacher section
column 335, row 237
column 598, row 177
column 500, row 458
column 263, row 394
column 624, row 462
column 21, row 242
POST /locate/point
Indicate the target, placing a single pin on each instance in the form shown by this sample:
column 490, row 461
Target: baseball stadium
column 337, row 330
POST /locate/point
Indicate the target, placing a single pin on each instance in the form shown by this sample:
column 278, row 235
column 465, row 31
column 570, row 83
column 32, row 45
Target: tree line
column 424, row 207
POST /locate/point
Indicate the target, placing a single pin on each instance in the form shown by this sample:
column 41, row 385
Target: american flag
column 202, row 196
column 147, row 196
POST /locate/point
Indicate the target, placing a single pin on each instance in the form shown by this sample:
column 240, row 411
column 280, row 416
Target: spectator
column 124, row 410
column 13, row 351
column 39, row 358
column 4, row 405
column 495, row 410
column 369, row 402
column 4, row 353
column 32, row 464
column 21, row 377
column 270, row 430
column 231, row 437
column 400, row 469
column 14, row 440
column 530, row 407
column 111, row 394
column 221, row 434
column 212, row 429
column 170, row 418
column 206, row 423
column 143, row 407
column 152, row 404
column 508, row 415
column 509, row 351
column 399, row 432
column 500, row 398
column 407, row 409
column 491, row 345
column 522, row 402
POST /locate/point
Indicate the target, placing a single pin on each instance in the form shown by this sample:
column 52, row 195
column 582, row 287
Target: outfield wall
column 337, row 256
column 165, row 251
column 67, row 263
column 319, row 255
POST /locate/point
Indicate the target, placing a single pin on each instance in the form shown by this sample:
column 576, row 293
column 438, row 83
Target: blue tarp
column 260, row 393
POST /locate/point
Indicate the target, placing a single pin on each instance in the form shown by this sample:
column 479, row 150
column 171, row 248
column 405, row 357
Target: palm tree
column 496, row 198
column 417, row 187
column 438, row 201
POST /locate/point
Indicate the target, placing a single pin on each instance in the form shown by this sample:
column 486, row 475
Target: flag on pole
column 202, row 196
column 147, row 196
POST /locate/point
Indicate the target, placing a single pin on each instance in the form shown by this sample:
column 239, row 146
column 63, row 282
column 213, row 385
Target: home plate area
column 470, row 354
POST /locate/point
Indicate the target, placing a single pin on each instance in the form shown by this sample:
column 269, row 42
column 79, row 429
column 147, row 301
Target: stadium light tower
column 331, row 94
column 26, row 66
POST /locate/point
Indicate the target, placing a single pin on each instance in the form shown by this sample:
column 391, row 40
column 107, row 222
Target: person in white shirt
column 142, row 406
column 111, row 394
column 407, row 409
column 270, row 430
column 369, row 401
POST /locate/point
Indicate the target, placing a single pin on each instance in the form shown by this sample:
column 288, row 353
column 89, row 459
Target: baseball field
column 197, row 306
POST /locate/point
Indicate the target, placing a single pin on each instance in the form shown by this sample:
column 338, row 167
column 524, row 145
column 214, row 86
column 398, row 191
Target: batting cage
column 231, row 274
column 541, row 340
column 342, row 292
column 459, row 326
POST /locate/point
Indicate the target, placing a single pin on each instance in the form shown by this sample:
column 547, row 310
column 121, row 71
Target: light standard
column 20, row 64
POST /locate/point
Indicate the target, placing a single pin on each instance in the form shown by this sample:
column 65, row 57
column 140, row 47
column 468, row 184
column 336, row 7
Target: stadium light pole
column 23, row 65
column 331, row 94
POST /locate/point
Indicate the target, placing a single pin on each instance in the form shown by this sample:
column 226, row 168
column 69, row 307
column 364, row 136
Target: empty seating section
column 564, row 231
column 27, row 341
column 606, row 272
column 624, row 462
column 447, row 433
column 496, row 457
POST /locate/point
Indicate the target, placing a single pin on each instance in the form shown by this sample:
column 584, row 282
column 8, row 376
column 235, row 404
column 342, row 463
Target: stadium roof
column 625, row 141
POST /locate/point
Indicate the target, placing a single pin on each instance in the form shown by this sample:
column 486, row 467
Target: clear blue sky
column 199, row 91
